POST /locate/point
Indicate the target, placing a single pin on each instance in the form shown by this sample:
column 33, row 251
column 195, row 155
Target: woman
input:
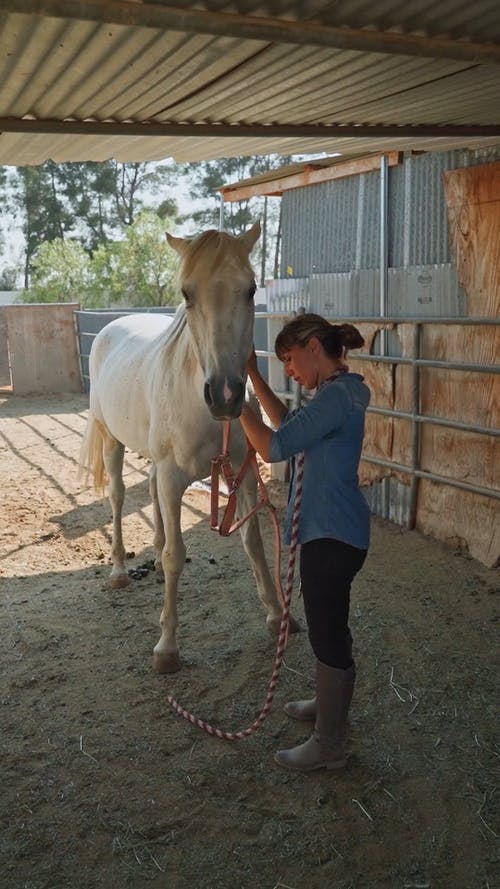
column 334, row 519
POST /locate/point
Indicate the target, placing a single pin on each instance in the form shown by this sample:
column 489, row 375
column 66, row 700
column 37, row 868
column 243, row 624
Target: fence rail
column 89, row 323
column 414, row 416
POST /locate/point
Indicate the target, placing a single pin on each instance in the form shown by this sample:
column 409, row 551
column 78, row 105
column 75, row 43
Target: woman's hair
column 336, row 339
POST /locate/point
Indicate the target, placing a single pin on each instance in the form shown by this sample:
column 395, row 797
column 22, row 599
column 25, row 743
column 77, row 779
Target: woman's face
column 300, row 362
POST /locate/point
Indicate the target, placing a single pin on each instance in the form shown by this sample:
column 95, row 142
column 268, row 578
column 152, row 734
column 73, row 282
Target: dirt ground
column 103, row 786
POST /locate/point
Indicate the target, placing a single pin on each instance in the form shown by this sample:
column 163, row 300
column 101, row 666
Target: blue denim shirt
column 329, row 429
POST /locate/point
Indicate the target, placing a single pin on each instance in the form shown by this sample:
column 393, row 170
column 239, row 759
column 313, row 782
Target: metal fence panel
column 417, row 291
column 90, row 322
column 335, row 226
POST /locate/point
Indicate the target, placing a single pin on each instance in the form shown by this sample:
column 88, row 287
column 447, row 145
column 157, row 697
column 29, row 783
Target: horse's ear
column 251, row 237
column 180, row 245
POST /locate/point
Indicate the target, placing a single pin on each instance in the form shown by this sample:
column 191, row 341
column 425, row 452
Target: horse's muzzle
column 224, row 397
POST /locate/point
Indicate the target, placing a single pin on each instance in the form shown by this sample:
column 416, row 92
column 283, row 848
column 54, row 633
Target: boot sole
column 300, row 718
column 330, row 766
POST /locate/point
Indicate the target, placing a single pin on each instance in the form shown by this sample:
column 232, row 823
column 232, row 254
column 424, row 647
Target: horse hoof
column 166, row 663
column 119, row 581
column 274, row 624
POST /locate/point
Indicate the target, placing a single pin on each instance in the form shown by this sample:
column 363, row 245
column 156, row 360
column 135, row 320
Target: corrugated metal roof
column 69, row 68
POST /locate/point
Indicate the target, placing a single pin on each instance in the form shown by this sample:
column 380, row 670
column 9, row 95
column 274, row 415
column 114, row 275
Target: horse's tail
column 91, row 461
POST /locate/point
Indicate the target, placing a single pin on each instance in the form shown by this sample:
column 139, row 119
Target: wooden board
column 42, row 348
column 471, row 520
column 461, row 518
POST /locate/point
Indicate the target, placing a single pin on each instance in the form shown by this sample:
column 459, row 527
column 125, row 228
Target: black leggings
column 327, row 569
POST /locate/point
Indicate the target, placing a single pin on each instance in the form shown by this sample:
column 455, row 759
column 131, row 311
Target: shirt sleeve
column 319, row 417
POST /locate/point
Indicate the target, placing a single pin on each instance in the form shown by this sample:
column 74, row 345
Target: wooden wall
column 460, row 518
column 473, row 200
column 42, row 347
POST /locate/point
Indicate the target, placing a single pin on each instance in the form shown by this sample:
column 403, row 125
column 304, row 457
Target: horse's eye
column 252, row 291
column 187, row 297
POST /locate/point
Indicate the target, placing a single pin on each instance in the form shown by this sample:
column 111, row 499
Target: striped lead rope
column 282, row 636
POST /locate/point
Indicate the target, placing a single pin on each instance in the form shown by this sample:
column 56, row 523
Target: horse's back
column 126, row 335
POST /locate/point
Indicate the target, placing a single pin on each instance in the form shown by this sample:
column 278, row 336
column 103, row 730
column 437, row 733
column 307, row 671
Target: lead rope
column 282, row 636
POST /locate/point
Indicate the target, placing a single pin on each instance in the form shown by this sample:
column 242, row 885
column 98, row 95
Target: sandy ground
column 103, row 786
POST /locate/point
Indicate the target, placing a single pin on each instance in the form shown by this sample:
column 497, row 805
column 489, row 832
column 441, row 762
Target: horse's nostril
column 224, row 397
column 208, row 394
column 239, row 392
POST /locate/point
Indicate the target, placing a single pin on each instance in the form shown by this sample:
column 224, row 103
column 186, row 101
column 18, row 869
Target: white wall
column 8, row 297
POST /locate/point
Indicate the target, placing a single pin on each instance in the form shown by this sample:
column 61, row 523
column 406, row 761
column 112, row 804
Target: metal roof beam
column 231, row 131
column 270, row 30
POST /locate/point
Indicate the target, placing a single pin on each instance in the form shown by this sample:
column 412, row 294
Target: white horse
column 160, row 386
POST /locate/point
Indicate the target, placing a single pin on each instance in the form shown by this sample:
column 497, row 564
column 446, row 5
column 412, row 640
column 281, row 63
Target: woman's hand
column 252, row 365
column 257, row 432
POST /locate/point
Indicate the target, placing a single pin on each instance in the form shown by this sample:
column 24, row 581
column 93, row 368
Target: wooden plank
column 42, row 347
column 465, row 521
column 472, row 185
column 473, row 199
column 379, row 430
column 461, row 519
column 310, row 175
column 468, row 520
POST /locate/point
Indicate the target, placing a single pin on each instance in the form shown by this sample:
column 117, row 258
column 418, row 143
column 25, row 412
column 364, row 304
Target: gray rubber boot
column 305, row 710
column 326, row 746
column 302, row 710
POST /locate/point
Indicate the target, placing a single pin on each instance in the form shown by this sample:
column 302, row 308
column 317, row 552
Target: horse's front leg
column 113, row 453
column 159, row 538
column 170, row 486
column 252, row 542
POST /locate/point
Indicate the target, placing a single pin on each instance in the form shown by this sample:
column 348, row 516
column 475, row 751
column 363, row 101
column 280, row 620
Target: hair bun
column 351, row 337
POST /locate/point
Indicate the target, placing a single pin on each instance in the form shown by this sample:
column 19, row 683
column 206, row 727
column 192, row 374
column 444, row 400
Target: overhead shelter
column 146, row 81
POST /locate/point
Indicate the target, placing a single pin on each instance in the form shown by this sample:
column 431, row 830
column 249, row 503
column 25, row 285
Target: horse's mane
column 178, row 324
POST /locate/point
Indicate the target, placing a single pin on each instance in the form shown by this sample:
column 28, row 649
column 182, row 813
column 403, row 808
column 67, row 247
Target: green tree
column 91, row 202
column 60, row 273
column 107, row 197
column 8, row 277
column 88, row 190
column 44, row 217
column 207, row 178
column 134, row 185
column 139, row 270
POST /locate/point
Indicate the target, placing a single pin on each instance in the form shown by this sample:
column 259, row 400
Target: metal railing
column 414, row 416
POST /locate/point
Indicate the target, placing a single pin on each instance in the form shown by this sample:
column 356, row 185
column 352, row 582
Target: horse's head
column 218, row 286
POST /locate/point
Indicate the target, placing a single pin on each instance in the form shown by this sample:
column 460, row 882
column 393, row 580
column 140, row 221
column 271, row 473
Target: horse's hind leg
column 252, row 542
column 159, row 538
column 113, row 454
